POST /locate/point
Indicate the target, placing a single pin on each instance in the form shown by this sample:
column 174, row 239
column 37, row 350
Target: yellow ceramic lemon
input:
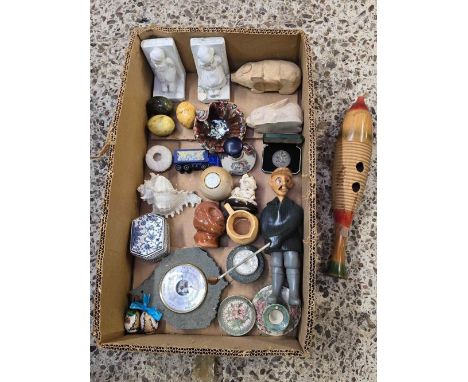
column 185, row 113
column 161, row 125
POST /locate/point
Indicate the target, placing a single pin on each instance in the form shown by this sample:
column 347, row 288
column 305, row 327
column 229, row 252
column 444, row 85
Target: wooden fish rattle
column 351, row 167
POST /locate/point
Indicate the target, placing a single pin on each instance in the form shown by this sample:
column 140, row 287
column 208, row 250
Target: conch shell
column 167, row 201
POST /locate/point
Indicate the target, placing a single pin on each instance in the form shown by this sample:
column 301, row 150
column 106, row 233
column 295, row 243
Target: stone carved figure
column 279, row 76
column 166, row 70
column 169, row 72
column 281, row 224
column 212, row 76
column 209, row 54
column 279, row 117
column 246, row 189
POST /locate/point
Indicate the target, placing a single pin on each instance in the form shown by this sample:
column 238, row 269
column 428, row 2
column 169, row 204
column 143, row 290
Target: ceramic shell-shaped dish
column 222, row 120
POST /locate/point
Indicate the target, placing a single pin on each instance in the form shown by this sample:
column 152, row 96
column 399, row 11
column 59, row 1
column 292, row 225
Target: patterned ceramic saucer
column 260, row 303
column 276, row 318
column 236, row 315
column 241, row 165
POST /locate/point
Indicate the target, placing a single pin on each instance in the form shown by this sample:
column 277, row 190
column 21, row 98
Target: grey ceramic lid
column 249, row 272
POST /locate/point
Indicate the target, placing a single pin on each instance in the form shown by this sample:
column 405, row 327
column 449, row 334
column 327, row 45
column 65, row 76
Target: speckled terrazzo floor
column 344, row 46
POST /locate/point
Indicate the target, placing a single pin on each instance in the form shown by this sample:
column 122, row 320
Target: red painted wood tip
column 359, row 104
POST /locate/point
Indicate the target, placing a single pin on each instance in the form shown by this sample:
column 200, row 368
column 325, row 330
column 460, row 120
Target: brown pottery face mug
column 234, row 218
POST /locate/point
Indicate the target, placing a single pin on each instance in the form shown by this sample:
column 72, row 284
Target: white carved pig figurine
column 279, row 117
column 269, row 76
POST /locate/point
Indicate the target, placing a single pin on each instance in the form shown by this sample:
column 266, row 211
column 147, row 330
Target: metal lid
column 212, row 180
column 183, row 288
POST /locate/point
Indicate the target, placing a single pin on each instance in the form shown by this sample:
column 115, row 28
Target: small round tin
column 251, row 270
column 260, row 303
column 276, row 318
column 236, row 315
column 183, row 288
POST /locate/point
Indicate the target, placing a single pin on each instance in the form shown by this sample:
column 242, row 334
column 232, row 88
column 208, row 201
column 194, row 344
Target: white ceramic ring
column 162, row 161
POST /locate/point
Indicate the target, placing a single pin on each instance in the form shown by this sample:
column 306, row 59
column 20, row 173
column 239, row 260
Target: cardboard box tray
column 118, row 271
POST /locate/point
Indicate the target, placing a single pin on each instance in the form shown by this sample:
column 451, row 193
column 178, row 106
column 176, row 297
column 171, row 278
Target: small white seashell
column 167, row 201
column 148, row 324
column 132, row 321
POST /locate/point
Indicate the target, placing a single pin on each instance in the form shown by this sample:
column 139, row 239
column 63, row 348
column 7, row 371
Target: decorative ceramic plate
column 222, row 120
column 183, row 288
column 251, row 270
column 260, row 303
column 241, row 165
column 236, row 315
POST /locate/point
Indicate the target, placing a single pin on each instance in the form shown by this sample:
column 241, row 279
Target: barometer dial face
column 183, row 288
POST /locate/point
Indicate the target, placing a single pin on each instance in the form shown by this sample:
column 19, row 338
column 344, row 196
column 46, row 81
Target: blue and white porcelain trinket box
column 149, row 237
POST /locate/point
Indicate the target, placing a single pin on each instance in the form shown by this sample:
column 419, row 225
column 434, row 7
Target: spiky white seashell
column 167, row 201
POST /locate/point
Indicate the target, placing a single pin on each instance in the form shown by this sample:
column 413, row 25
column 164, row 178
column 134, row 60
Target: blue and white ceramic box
column 149, row 237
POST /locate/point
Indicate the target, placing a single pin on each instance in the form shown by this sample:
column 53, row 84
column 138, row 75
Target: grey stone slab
column 202, row 316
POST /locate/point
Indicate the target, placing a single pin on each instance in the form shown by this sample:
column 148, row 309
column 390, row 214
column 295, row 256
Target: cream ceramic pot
column 216, row 183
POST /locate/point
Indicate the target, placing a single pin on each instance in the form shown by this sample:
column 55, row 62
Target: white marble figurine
column 246, row 189
column 169, row 73
column 209, row 54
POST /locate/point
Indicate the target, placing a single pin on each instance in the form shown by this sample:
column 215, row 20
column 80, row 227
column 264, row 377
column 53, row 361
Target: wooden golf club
column 214, row 280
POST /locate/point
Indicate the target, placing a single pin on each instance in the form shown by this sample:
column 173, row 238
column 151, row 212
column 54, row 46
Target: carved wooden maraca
column 351, row 167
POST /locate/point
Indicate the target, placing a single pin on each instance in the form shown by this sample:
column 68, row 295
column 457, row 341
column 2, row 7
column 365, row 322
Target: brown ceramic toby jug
column 233, row 225
column 208, row 220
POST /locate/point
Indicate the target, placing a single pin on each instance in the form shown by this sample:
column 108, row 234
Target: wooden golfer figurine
column 281, row 224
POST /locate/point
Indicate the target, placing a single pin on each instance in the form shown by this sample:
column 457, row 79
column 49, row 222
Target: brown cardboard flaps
column 126, row 148
column 107, row 144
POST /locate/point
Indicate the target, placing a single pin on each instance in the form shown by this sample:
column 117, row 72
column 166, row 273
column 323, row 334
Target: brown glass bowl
column 221, row 121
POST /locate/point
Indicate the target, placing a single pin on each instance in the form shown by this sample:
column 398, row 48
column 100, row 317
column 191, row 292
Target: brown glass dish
column 221, row 121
